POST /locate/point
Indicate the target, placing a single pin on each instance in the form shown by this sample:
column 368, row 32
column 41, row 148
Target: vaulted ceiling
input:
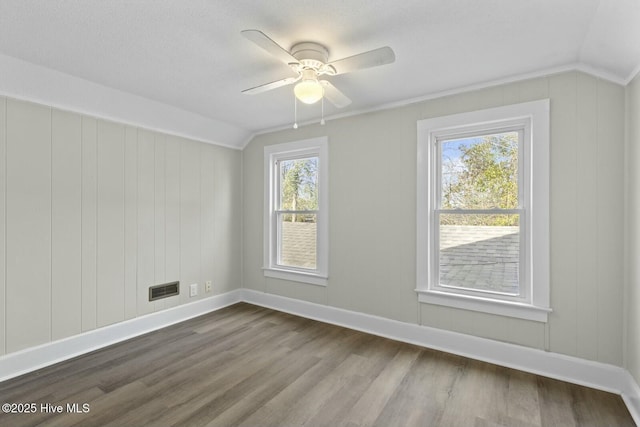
column 190, row 55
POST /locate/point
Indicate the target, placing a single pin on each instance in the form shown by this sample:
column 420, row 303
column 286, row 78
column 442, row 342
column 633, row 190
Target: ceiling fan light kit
column 310, row 61
column 309, row 90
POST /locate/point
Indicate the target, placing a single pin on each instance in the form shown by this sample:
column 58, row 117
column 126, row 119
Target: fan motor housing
column 312, row 55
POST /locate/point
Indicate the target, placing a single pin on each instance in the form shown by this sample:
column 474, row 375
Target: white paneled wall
column 110, row 224
column 88, row 230
column 172, row 215
column 28, row 222
column 66, row 224
column 94, row 212
column 131, row 222
column 190, row 208
column 372, row 210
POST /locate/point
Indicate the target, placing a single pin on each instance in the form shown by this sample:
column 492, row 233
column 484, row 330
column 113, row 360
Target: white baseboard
column 631, row 397
column 596, row 375
column 30, row 359
column 588, row 373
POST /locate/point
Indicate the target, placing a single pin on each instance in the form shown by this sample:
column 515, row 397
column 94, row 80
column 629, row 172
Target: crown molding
column 583, row 68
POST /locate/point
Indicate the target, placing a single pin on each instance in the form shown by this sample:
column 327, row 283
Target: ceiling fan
column 309, row 61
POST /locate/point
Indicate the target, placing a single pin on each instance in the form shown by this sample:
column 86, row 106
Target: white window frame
column 272, row 154
column 532, row 120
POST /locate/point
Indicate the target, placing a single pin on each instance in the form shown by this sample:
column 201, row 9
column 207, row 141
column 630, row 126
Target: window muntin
column 296, row 207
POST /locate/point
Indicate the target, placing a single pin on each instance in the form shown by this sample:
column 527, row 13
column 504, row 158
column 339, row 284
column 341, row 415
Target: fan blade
column 269, row 86
column 334, row 96
column 372, row 58
column 262, row 40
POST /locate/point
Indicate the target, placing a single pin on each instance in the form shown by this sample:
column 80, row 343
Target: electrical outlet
column 193, row 290
column 207, row 286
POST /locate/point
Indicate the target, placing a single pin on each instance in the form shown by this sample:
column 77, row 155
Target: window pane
column 297, row 240
column 480, row 172
column 480, row 252
column 298, row 184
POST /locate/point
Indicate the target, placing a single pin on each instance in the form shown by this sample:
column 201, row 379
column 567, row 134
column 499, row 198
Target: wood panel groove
column 251, row 366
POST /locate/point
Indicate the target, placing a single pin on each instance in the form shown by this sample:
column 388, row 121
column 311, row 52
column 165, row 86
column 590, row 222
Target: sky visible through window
column 479, row 172
column 452, row 163
column 299, row 184
column 451, row 149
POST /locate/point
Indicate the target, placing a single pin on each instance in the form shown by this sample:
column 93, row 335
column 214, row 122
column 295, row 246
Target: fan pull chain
column 322, row 117
column 295, row 112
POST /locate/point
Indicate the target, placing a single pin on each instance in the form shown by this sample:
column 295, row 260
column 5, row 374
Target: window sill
column 485, row 305
column 296, row 276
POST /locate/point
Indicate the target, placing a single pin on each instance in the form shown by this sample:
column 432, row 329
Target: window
column 483, row 210
column 296, row 206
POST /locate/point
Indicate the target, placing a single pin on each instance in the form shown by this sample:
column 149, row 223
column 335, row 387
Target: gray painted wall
column 632, row 314
column 93, row 212
column 373, row 216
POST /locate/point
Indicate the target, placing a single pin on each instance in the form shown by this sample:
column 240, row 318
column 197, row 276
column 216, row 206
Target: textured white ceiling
column 189, row 54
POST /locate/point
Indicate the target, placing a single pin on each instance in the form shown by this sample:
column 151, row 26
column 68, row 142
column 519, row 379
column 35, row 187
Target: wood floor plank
column 522, row 398
column 246, row 365
column 208, row 388
column 373, row 400
column 556, row 400
column 302, row 410
column 588, row 414
column 468, row 387
column 297, row 402
column 422, row 395
column 276, row 376
column 104, row 407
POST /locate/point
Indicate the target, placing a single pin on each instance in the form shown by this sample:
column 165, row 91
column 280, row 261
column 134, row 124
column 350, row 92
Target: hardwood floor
column 250, row 366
